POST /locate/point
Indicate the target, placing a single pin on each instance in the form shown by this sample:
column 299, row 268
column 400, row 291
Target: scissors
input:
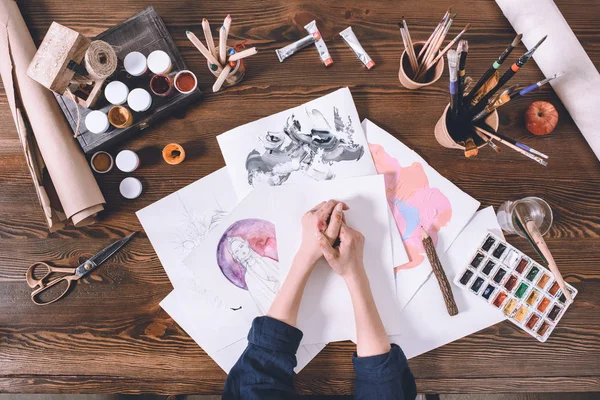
column 73, row 274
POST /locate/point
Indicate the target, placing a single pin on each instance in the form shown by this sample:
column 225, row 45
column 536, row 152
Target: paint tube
column 311, row 27
column 350, row 38
column 292, row 48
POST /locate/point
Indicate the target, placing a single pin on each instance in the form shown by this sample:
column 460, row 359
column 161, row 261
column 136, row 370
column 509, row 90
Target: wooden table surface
column 110, row 334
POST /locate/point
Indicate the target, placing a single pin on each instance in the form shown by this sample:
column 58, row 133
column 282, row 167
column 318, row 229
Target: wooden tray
column 144, row 32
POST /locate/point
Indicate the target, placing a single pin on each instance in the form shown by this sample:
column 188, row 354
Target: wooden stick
column 438, row 270
column 243, row 54
column 205, row 52
column 222, row 45
column 221, row 78
column 210, row 42
column 410, row 49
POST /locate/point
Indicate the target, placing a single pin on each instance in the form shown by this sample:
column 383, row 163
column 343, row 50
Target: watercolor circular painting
column 248, row 246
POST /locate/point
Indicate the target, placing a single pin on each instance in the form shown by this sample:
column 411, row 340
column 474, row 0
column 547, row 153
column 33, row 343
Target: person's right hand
column 346, row 260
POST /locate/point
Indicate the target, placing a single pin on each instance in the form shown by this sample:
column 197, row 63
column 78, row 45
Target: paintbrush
column 509, row 94
column 508, row 143
column 520, row 225
column 448, row 47
column 439, row 273
column 536, row 235
column 506, row 77
column 463, row 51
column 514, row 142
column 493, row 68
column 410, row 50
column 488, row 141
column 434, row 47
column 453, row 72
column 435, row 31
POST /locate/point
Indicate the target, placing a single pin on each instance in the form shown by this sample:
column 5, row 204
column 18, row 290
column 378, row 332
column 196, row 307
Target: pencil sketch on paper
column 312, row 150
column 193, row 228
column 413, row 203
column 247, row 256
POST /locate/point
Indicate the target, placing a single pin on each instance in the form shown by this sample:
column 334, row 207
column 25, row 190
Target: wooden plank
column 110, row 336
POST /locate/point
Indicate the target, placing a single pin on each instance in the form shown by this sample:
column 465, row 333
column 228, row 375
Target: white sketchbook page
column 417, row 195
column 579, row 88
column 326, row 313
column 177, row 223
column 181, row 305
column 326, row 141
column 426, row 322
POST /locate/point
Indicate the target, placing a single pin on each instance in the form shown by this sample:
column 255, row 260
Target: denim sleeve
column 383, row 377
column 266, row 368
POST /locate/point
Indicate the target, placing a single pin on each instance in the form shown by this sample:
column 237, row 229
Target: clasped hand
column 326, row 234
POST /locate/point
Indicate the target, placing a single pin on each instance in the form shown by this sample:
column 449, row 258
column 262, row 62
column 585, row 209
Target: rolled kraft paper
column 579, row 88
column 35, row 110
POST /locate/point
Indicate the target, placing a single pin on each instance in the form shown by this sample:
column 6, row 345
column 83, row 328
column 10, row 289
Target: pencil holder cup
column 442, row 131
column 235, row 75
column 406, row 74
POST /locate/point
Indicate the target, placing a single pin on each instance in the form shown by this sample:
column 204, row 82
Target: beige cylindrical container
column 235, row 75
column 443, row 136
column 405, row 74
column 120, row 117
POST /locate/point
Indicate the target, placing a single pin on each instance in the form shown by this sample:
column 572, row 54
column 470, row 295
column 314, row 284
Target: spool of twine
column 100, row 61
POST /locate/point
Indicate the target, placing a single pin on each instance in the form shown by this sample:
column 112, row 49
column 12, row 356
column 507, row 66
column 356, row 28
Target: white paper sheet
column 426, row 322
column 579, row 88
column 319, row 140
column 418, row 196
column 181, row 305
column 177, row 223
column 326, row 313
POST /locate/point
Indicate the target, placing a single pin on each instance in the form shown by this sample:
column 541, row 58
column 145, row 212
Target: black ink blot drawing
column 309, row 150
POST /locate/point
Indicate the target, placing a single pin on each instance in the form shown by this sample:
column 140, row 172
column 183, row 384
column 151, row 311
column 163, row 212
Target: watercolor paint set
column 510, row 281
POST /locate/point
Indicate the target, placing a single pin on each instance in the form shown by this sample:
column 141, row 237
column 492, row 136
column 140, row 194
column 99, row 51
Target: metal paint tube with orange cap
column 311, row 27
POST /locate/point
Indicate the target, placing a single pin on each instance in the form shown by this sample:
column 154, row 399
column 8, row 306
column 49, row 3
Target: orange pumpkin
column 173, row 154
column 541, row 118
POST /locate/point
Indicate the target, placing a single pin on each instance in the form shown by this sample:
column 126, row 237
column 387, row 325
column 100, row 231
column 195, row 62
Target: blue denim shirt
column 266, row 368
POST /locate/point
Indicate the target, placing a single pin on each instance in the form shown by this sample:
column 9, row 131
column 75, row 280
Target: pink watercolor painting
column 413, row 203
column 247, row 256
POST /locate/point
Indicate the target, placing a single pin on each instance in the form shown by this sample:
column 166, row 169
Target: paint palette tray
column 522, row 289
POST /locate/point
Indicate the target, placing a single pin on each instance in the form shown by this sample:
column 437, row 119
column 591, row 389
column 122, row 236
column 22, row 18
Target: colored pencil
column 227, row 25
column 506, row 77
column 222, row 45
column 221, row 78
column 205, row 52
column 210, row 43
column 243, row 54
column 493, row 68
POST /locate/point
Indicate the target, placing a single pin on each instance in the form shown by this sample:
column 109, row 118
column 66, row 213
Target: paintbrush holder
column 443, row 128
column 406, row 74
column 235, row 75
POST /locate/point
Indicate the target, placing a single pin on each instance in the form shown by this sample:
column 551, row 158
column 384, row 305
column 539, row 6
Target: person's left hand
column 325, row 218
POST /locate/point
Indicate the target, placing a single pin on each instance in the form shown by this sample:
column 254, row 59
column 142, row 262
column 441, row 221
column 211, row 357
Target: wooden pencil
column 438, row 270
column 222, row 45
column 243, row 54
column 205, row 52
column 210, row 42
column 219, row 82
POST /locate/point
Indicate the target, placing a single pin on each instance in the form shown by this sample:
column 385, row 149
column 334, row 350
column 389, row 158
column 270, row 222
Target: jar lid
column 159, row 62
column 108, row 162
column 116, row 93
column 97, row 122
column 135, row 63
column 127, row 161
column 130, row 187
column 139, row 100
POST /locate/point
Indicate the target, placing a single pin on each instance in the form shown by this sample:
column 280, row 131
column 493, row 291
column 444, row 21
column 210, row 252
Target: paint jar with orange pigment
column 406, row 74
column 445, row 131
column 235, row 75
column 120, row 117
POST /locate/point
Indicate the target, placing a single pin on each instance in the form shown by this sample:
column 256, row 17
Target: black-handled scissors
column 73, row 274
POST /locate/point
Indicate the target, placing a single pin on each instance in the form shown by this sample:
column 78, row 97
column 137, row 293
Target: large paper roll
column 47, row 139
column 579, row 89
